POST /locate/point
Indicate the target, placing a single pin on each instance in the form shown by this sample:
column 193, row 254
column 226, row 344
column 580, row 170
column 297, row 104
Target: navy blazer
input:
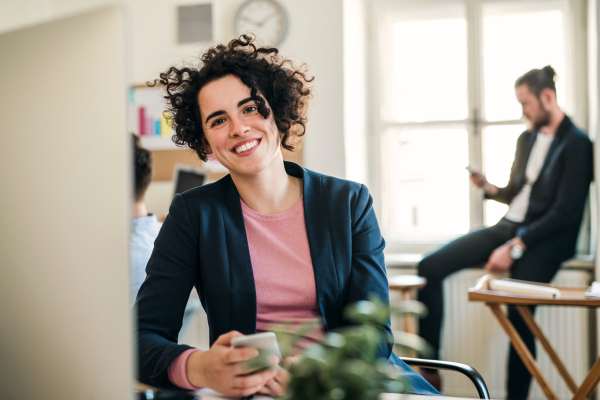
column 558, row 196
column 203, row 243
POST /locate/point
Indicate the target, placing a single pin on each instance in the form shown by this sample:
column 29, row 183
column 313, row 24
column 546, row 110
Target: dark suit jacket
column 203, row 243
column 559, row 194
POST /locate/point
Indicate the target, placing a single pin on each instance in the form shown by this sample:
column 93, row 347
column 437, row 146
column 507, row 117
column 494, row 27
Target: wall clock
column 265, row 18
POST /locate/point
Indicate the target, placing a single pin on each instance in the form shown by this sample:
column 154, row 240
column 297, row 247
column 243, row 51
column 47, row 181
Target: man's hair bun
column 539, row 79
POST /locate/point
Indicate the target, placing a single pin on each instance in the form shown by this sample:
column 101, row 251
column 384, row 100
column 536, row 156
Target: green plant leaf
column 411, row 307
column 344, row 365
column 413, row 342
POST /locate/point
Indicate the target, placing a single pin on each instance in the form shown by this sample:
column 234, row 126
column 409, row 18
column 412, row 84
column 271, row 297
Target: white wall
column 355, row 90
column 17, row 14
column 315, row 36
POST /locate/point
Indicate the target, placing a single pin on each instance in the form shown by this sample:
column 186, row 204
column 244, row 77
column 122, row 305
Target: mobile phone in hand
column 471, row 170
column 265, row 341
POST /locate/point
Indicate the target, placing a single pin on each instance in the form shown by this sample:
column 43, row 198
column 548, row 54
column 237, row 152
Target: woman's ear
column 205, row 146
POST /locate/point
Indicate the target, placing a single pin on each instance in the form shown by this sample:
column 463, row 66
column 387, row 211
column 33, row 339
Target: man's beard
column 541, row 120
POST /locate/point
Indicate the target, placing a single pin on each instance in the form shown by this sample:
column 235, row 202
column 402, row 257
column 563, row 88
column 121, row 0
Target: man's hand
column 500, row 261
column 481, row 182
column 478, row 179
column 221, row 369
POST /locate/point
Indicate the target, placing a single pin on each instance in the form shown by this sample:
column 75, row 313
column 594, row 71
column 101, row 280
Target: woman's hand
column 221, row 369
column 278, row 385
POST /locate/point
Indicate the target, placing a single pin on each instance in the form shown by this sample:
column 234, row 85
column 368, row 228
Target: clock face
column 265, row 18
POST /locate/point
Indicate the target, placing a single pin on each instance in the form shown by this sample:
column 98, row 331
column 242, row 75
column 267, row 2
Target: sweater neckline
column 295, row 210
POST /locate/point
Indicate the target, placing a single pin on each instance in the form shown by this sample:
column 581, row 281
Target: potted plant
column 344, row 363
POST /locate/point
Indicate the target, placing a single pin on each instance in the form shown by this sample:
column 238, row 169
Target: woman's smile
column 246, row 147
column 242, row 139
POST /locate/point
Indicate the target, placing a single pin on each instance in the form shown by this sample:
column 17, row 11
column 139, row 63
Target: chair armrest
column 464, row 369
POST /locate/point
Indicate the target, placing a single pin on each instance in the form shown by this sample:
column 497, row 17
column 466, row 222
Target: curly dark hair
column 261, row 69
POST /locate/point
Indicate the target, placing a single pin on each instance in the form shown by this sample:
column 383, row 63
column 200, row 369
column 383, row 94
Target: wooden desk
column 569, row 297
column 384, row 396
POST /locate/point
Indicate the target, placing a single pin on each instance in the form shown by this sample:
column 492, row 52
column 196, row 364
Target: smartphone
column 265, row 341
column 471, row 170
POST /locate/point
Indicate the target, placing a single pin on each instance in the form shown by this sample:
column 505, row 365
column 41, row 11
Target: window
column 443, row 98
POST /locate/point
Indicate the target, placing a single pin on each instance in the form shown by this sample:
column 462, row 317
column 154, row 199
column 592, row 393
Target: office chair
column 464, row 369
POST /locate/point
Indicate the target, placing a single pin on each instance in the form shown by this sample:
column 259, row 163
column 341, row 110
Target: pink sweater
column 283, row 276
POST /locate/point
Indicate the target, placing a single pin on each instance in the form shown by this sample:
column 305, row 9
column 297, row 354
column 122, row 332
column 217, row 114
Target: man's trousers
column 472, row 251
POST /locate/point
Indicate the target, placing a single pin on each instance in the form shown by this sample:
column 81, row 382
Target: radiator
column 471, row 335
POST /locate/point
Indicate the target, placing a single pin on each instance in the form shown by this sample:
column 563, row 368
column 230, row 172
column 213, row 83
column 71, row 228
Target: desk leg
column 523, row 351
column 590, row 383
column 537, row 332
column 410, row 324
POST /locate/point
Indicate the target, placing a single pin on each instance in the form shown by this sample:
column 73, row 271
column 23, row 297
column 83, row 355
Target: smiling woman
column 261, row 70
column 235, row 130
column 268, row 243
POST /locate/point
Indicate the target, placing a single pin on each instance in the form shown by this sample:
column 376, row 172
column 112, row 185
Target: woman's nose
column 238, row 127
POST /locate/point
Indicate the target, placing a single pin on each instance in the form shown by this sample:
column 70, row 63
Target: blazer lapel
column 560, row 133
column 319, row 241
column 520, row 179
column 243, row 291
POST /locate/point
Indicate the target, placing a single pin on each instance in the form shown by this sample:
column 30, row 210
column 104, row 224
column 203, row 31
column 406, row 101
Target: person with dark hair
column 144, row 226
column 144, row 230
column 142, row 160
column 268, row 243
column 546, row 194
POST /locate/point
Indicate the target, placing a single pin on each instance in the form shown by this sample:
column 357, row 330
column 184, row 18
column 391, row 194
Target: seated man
column 144, row 229
column 546, row 194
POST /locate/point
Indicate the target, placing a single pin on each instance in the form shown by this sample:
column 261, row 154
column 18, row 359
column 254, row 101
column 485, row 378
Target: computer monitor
column 186, row 177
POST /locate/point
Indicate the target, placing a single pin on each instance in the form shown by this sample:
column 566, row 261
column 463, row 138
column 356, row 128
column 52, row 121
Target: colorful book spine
column 157, row 127
column 149, row 126
column 142, row 121
column 165, row 129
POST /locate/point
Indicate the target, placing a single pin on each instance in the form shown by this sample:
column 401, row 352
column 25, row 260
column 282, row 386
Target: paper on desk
column 209, row 394
column 524, row 288
column 594, row 290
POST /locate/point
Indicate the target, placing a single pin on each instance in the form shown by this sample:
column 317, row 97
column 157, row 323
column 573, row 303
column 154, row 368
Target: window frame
column 576, row 101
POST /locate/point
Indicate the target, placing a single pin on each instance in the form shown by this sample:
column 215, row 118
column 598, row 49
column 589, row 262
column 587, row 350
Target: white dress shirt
column 517, row 208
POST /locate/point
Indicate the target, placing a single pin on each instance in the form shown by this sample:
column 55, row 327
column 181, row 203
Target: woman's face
column 238, row 136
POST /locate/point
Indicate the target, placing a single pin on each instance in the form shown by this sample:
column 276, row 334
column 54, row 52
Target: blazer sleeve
column 368, row 275
column 171, row 273
column 571, row 195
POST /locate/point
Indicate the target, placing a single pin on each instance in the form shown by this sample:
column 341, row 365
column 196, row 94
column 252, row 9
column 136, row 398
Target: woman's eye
column 250, row 109
column 217, row 121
